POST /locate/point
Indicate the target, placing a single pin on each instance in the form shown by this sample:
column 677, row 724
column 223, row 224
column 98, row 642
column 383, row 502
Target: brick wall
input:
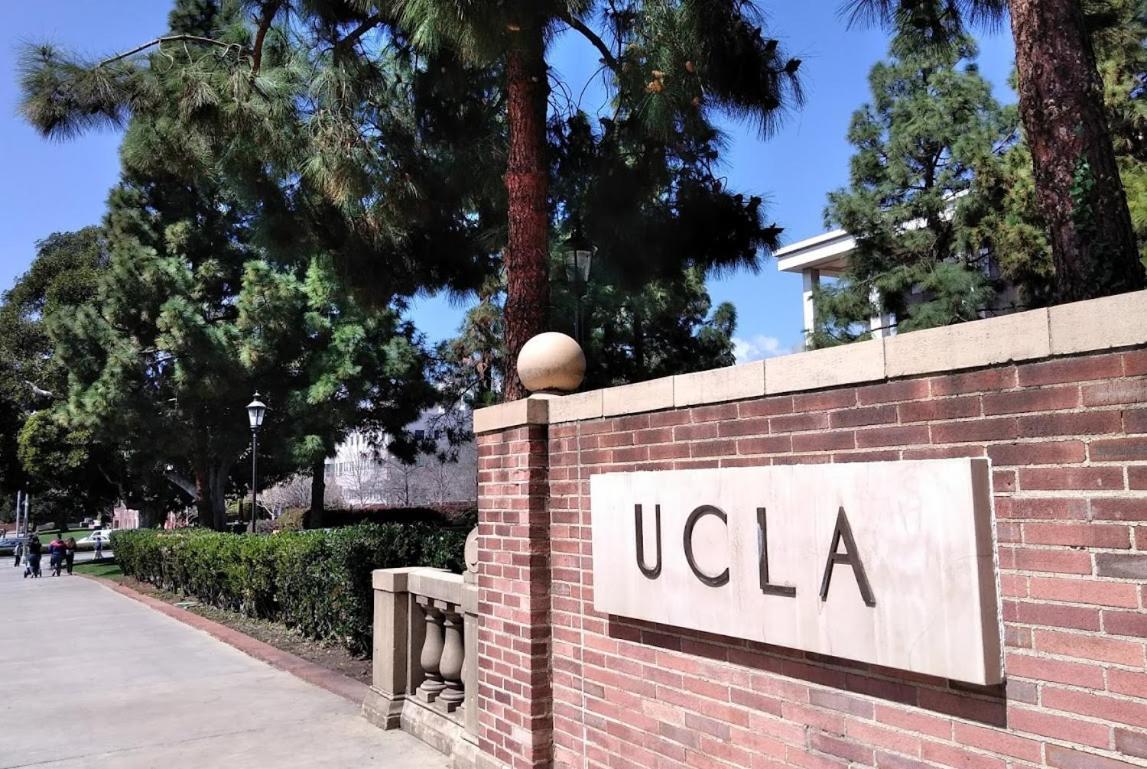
column 1067, row 438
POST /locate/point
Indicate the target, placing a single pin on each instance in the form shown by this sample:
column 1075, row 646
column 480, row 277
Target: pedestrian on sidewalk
column 99, row 548
column 56, row 553
column 70, row 552
column 32, row 556
column 19, row 550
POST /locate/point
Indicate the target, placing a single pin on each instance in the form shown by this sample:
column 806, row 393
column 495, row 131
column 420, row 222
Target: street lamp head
column 578, row 254
column 256, row 409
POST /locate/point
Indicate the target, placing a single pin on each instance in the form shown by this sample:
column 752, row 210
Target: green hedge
column 316, row 581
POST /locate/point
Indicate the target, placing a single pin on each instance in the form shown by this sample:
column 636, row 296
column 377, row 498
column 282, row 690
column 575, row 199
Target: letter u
column 639, row 526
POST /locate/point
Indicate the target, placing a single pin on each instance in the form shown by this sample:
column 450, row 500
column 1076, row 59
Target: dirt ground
column 277, row 635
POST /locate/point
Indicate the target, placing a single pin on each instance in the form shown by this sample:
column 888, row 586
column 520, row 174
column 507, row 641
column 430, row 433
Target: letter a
column 655, row 572
column 851, row 557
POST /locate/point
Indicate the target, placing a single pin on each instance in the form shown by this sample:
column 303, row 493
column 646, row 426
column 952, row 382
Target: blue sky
column 48, row 186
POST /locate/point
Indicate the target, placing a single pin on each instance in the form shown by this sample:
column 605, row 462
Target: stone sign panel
column 890, row 563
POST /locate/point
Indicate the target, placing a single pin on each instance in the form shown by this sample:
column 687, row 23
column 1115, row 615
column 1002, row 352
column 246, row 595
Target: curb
column 325, row 678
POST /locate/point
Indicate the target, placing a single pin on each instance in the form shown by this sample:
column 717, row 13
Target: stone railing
column 425, row 645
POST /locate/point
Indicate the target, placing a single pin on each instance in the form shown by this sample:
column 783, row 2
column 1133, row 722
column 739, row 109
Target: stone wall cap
column 534, row 410
column 1093, row 325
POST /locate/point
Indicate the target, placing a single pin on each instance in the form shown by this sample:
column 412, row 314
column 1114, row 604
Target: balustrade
column 425, row 644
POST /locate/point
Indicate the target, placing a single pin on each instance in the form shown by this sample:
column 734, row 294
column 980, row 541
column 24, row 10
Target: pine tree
column 1078, row 188
column 913, row 199
column 331, row 114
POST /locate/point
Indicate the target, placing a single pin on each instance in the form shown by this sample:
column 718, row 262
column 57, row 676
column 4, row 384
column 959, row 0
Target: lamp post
column 256, row 409
column 578, row 254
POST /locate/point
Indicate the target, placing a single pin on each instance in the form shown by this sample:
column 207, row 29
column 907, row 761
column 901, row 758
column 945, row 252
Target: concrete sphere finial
column 551, row 362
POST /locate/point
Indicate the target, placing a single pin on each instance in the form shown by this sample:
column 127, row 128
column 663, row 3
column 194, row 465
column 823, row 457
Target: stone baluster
column 453, row 660
column 432, row 647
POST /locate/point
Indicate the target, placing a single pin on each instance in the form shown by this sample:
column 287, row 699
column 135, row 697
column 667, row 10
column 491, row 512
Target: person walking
column 32, row 556
column 19, row 551
column 56, row 555
column 99, row 548
column 69, row 553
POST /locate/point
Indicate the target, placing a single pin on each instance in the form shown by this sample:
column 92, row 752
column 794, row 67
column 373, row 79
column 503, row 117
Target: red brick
column 721, row 412
column 1056, row 561
column 1137, row 477
column 1135, row 362
column 914, row 721
column 825, row 401
column 1119, row 508
column 1070, row 423
column 766, row 407
column 997, row 741
column 828, row 440
column 1046, row 508
column 1088, row 591
column 1125, row 623
column 1057, row 615
column 959, row 758
column 1027, row 401
column 854, row 706
column 1131, row 743
column 890, row 392
column 861, row 417
column 773, row 444
column 1131, row 682
column 1121, row 566
column 799, row 422
column 1089, row 647
column 975, row 430
column 835, row 746
column 1003, row 481
column 998, row 378
column 893, row 761
column 1066, row 758
column 1037, row 453
column 1135, row 421
column 1115, row 391
column 940, row 408
column 883, row 737
column 1083, row 478
column 1060, row 727
column 701, row 432
column 721, row 448
column 892, row 436
column 1072, row 370
column 1084, row 703
column 1118, row 449
column 1057, row 671
column 1077, row 535
column 749, row 426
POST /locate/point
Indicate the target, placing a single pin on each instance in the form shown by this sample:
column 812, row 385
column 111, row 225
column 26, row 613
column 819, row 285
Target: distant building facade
column 365, row 473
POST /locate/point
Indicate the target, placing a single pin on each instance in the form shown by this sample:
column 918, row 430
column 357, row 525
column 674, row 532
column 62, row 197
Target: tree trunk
column 203, row 504
column 1078, row 189
column 218, row 478
column 318, row 495
column 527, row 253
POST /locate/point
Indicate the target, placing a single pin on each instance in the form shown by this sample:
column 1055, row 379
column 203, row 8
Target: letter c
column 696, row 515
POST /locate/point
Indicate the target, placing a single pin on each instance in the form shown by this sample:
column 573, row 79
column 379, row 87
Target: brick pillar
column 515, row 721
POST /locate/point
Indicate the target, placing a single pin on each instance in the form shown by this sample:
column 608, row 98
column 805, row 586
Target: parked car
column 100, row 535
column 7, row 542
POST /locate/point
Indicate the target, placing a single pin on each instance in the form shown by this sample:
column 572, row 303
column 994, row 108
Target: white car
column 98, row 536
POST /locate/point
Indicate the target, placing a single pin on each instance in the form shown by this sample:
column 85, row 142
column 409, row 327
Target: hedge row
column 318, row 582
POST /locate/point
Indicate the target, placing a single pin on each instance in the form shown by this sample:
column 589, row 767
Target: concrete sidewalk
column 91, row 678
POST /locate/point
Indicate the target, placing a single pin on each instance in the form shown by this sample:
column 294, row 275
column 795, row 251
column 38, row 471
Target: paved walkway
column 90, row 678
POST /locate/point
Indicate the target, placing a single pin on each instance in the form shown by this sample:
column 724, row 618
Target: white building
column 827, row 255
